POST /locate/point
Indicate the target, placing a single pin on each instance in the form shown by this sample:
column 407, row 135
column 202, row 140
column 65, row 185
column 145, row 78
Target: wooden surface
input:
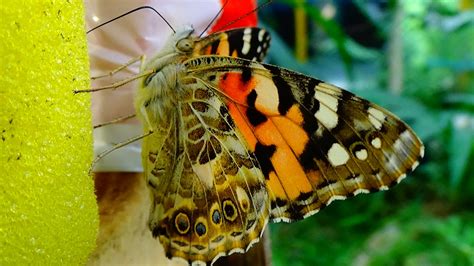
column 124, row 237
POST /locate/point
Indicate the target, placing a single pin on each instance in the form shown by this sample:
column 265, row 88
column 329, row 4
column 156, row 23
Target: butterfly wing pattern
column 237, row 143
column 246, row 43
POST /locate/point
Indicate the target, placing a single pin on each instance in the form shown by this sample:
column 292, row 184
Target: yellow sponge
column 47, row 202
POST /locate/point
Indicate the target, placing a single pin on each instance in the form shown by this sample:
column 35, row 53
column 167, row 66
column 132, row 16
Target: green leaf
column 281, row 54
column 331, row 28
column 460, row 147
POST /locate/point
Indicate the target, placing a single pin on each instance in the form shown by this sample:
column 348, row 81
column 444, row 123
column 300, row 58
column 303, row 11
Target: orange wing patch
column 292, row 133
column 237, row 86
column 288, row 169
column 285, row 175
column 236, row 112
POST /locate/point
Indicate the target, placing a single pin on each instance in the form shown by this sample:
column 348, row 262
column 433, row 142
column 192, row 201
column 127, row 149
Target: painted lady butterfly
column 234, row 143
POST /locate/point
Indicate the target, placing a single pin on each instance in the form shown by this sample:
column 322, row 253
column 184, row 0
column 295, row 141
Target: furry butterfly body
column 236, row 143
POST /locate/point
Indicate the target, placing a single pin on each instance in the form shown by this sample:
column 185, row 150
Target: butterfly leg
column 119, row 83
column 120, row 119
column 117, row 146
column 120, row 68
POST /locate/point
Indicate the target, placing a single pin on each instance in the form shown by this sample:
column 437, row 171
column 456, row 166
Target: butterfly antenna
column 245, row 15
column 129, row 12
column 214, row 19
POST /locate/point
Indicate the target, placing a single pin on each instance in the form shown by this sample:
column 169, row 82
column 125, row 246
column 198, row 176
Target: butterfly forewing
column 314, row 142
column 209, row 195
column 221, row 191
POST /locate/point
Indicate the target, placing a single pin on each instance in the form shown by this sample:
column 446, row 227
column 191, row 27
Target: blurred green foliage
column 429, row 218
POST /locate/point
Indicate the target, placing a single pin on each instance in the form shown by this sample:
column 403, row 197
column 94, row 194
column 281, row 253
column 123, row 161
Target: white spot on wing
column 261, row 33
column 281, row 219
column 205, row 174
column 246, row 48
column 406, row 135
column 337, row 155
column 361, row 154
column 401, row 177
column 236, row 250
column 335, row 197
column 247, row 38
column 220, row 254
column 392, row 163
column 327, row 117
column 326, row 99
column 376, row 117
column 327, row 109
column 377, row 143
column 310, row 213
column 361, row 190
column 398, row 145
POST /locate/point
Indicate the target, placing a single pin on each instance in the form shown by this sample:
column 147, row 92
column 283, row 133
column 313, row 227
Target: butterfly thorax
column 159, row 92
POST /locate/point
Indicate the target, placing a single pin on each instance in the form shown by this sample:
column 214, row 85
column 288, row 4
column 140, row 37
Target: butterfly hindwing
column 209, row 196
column 314, row 142
column 216, row 202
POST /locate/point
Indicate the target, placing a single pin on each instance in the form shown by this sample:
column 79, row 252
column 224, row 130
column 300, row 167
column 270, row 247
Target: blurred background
column 415, row 58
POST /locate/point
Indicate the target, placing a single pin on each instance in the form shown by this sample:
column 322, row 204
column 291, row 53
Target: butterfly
column 234, row 143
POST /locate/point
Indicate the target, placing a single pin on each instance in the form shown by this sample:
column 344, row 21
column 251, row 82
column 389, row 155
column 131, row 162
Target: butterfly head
column 177, row 49
column 179, row 44
column 184, row 40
